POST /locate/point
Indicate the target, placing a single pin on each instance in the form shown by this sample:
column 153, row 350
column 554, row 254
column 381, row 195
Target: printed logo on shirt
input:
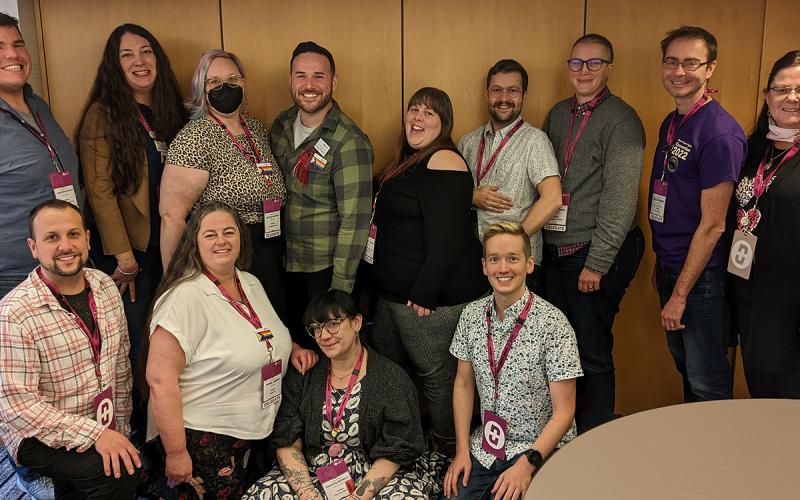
column 681, row 149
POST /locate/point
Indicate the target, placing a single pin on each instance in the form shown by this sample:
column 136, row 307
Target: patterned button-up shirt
column 545, row 351
column 47, row 377
column 327, row 220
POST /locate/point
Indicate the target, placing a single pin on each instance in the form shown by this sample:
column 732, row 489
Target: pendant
column 747, row 221
column 336, row 450
column 334, row 432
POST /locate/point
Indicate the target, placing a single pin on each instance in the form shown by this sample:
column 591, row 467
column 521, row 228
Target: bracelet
column 127, row 274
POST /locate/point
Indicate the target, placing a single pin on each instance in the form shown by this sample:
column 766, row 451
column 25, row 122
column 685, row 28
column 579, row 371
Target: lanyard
column 481, row 173
column 329, row 394
column 496, row 367
column 571, row 144
column 40, row 136
column 674, row 127
column 253, row 159
column 149, row 129
column 760, row 183
column 92, row 335
column 250, row 315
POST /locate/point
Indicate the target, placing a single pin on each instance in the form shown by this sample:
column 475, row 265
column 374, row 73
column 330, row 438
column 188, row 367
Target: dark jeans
column 482, row 479
column 302, row 287
column 267, row 266
column 699, row 349
column 76, row 475
column 592, row 317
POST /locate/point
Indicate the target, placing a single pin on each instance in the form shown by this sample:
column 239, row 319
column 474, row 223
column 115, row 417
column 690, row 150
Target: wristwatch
column 534, row 458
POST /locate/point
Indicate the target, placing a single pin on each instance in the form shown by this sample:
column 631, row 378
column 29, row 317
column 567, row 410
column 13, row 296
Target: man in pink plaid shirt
column 65, row 377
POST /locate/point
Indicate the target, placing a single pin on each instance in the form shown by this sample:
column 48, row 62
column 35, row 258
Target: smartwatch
column 534, row 458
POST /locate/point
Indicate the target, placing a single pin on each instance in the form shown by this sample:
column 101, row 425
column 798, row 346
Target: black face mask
column 226, row 99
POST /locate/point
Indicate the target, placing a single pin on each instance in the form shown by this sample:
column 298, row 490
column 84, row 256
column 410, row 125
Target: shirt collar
column 591, row 104
column 503, row 131
column 40, row 295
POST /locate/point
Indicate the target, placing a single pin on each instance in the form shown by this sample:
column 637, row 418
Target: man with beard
column 593, row 247
column 64, row 366
column 327, row 161
column 512, row 162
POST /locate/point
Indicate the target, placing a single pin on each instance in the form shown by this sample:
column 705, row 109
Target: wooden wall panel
column 646, row 375
column 75, row 33
column 451, row 44
column 364, row 38
column 780, row 36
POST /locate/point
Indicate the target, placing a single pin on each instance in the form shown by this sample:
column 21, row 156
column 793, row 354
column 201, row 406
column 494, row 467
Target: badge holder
column 558, row 222
column 743, row 249
column 494, row 434
column 369, row 249
column 63, row 188
column 658, row 204
column 335, row 480
column 103, row 405
column 272, row 218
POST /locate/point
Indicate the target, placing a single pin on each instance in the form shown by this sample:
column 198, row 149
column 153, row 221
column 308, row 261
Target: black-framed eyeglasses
column 687, row 65
column 593, row 64
column 216, row 82
column 332, row 326
column 784, row 91
column 512, row 92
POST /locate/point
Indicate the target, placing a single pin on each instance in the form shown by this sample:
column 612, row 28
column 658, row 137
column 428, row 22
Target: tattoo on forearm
column 375, row 485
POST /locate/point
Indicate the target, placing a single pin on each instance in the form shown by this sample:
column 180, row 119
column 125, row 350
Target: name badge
column 271, row 382
column 63, row 188
column 104, row 413
column 494, row 434
column 658, row 204
column 335, row 480
column 161, row 146
column 272, row 218
column 743, row 248
column 322, row 147
column 369, row 250
column 558, row 222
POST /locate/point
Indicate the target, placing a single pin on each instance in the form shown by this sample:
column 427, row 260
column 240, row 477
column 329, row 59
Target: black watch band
column 534, row 458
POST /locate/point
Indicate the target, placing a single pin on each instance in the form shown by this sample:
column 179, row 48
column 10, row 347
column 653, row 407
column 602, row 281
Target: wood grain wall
column 386, row 49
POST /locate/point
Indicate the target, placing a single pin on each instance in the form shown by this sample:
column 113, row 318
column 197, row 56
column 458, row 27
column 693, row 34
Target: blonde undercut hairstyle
column 508, row 227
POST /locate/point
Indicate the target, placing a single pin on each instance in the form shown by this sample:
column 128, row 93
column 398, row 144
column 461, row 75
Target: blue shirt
column 25, row 167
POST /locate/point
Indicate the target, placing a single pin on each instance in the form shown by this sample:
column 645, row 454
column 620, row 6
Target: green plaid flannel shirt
column 327, row 220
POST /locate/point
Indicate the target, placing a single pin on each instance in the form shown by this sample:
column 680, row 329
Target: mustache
column 503, row 103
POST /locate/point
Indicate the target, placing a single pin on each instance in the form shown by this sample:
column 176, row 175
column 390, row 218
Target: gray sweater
column 603, row 177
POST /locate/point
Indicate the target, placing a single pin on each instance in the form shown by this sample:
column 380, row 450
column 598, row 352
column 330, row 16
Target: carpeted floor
column 8, row 486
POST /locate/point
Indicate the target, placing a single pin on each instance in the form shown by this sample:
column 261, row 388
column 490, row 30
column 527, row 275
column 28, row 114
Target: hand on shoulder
column 447, row 159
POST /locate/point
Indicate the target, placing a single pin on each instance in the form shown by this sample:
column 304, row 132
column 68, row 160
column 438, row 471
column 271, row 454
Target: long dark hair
column 790, row 59
column 406, row 156
column 115, row 98
column 186, row 265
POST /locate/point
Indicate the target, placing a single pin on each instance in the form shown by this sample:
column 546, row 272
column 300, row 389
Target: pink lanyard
column 254, row 160
column 760, row 183
column 329, row 393
column 250, row 315
column 496, row 367
column 571, row 144
column 40, row 136
column 92, row 335
column 673, row 129
column 481, row 173
column 149, row 129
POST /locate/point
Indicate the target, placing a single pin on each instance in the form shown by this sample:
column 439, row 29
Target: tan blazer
column 122, row 220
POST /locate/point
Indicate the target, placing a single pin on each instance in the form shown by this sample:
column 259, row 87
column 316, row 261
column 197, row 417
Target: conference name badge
column 658, row 204
column 494, row 434
column 271, row 382
column 369, row 250
column 335, row 480
column 63, row 188
column 103, row 405
column 558, row 222
column 272, row 218
column 743, row 248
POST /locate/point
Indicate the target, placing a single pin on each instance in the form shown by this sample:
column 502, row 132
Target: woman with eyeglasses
column 766, row 207
column 351, row 427
column 215, row 361
column 223, row 154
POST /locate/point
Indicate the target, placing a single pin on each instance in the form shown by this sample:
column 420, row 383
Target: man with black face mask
column 327, row 161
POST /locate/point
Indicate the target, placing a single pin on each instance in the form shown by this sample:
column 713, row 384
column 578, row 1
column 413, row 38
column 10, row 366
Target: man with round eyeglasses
column 592, row 246
column 700, row 151
column 512, row 162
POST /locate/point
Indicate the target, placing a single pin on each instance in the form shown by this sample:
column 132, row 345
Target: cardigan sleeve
column 289, row 422
column 445, row 201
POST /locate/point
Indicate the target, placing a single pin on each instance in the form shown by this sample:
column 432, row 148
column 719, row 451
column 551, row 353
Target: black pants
column 267, row 266
column 76, row 475
column 302, row 287
column 592, row 316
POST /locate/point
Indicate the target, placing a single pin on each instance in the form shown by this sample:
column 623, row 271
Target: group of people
column 224, row 259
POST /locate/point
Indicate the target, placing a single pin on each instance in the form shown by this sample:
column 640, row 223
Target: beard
column 57, row 268
column 324, row 100
column 499, row 118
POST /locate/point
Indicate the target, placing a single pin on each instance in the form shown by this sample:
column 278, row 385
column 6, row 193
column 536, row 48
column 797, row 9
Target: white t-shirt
column 221, row 384
column 301, row 132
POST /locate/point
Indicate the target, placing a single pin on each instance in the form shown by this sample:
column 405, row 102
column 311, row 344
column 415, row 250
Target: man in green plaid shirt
column 327, row 162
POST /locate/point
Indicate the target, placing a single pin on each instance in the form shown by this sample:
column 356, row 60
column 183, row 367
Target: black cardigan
column 389, row 420
column 426, row 250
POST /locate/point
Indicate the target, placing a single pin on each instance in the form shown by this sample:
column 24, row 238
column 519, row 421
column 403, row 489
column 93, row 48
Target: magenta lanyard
column 253, row 159
column 760, row 183
column 250, row 315
column 329, row 393
column 496, row 367
column 40, row 136
column 571, row 144
column 481, row 173
column 148, row 128
column 674, row 127
column 92, row 335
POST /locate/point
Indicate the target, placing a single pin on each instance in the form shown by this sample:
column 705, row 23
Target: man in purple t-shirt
column 700, row 151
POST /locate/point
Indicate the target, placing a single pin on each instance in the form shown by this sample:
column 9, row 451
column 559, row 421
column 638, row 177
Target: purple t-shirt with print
column 710, row 148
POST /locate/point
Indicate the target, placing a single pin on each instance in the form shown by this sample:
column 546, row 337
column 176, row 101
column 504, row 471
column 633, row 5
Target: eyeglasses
column 215, row 82
column 784, row 92
column 688, row 65
column 512, row 92
column 593, row 64
column 332, row 325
